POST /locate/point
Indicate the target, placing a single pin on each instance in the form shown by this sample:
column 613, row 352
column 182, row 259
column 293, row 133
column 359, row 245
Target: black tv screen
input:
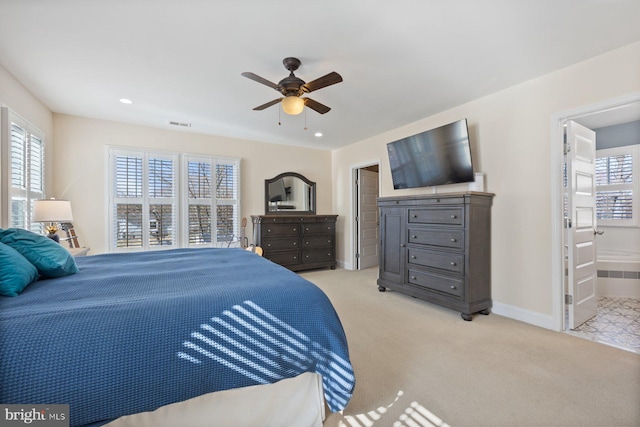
column 435, row 157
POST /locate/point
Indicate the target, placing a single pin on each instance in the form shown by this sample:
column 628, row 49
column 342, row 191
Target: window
column 164, row 200
column 212, row 200
column 617, row 180
column 23, row 154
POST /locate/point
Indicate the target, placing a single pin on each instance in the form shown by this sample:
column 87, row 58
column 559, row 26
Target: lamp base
column 54, row 237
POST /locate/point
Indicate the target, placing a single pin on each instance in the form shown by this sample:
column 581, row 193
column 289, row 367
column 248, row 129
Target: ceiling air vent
column 184, row 125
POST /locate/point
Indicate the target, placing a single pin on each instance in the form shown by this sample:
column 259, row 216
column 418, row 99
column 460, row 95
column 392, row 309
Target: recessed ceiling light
column 318, row 134
column 126, row 101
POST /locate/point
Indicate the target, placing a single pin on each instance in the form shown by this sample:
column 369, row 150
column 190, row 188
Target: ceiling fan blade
column 268, row 104
column 324, row 81
column 257, row 78
column 316, row 106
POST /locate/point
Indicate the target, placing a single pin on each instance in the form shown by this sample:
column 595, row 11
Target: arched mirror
column 289, row 193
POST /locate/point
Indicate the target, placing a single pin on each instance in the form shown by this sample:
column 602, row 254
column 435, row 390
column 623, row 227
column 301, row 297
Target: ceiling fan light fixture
column 292, row 105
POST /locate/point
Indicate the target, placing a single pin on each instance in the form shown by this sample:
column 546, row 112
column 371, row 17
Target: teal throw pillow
column 16, row 272
column 51, row 259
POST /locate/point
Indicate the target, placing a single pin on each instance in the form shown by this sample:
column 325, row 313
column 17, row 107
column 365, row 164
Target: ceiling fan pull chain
column 305, row 119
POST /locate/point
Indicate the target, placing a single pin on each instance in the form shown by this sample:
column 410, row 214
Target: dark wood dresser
column 438, row 248
column 298, row 242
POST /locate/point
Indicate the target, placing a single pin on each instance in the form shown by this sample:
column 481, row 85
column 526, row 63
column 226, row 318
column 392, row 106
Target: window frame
column 214, row 202
column 7, row 190
column 634, row 186
column 181, row 197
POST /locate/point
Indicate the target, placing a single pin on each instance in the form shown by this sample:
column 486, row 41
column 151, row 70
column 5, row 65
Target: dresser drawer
column 283, row 258
column 453, row 239
column 280, row 230
column 441, row 260
column 320, row 218
column 317, row 255
column 447, row 216
column 281, row 243
column 319, row 227
column 284, row 219
column 444, row 284
column 317, row 241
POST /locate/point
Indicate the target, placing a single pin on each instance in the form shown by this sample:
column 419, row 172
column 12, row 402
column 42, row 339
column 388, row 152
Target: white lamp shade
column 52, row 210
column 292, row 105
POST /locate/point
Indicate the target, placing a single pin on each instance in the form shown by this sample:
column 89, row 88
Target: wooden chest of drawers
column 298, row 242
column 438, row 248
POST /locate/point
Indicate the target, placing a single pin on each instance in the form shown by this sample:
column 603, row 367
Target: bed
column 132, row 332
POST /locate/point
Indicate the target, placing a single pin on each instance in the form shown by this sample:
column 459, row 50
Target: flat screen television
column 435, row 157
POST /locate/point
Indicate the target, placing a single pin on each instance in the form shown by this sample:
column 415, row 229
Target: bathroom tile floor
column 617, row 324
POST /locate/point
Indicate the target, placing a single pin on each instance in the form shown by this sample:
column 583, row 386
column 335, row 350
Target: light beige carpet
column 420, row 365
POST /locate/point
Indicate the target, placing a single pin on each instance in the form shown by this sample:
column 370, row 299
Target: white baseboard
column 345, row 265
column 523, row 315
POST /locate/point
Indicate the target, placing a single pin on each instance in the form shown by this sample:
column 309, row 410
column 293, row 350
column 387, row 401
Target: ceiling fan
column 292, row 88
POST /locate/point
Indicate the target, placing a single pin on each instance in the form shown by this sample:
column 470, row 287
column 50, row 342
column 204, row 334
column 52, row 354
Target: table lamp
column 54, row 212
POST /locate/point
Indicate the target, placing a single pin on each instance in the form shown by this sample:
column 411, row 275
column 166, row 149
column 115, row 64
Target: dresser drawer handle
column 269, row 244
column 453, row 263
column 413, row 257
column 454, row 240
column 306, row 243
column 295, row 229
column 268, row 230
column 295, row 243
column 414, row 237
column 414, row 216
column 413, row 277
column 306, row 229
column 454, row 216
column 453, row 287
column 329, row 241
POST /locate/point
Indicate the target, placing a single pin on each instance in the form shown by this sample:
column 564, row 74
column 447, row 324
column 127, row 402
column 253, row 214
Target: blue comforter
column 132, row 332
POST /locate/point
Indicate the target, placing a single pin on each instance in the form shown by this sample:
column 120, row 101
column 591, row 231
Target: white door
column 367, row 219
column 582, row 298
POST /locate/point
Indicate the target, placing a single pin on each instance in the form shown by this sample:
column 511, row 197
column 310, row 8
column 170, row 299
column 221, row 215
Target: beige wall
column 510, row 134
column 80, row 162
column 23, row 103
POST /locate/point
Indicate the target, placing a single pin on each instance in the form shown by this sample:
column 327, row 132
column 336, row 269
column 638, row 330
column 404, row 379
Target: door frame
column 353, row 208
column 557, row 189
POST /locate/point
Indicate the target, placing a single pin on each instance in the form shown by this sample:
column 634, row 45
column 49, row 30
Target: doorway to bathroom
column 616, row 315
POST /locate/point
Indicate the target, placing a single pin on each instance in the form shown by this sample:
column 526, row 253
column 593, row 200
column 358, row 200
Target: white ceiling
column 180, row 60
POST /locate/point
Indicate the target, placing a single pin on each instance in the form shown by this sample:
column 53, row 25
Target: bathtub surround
column 619, row 274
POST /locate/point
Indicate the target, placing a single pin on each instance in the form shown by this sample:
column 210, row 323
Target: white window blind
column 164, row 200
column 212, row 211
column 143, row 200
column 25, row 151
column 617, row 186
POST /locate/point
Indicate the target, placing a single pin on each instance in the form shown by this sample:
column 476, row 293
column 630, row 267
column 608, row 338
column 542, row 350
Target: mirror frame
column 312, row 202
